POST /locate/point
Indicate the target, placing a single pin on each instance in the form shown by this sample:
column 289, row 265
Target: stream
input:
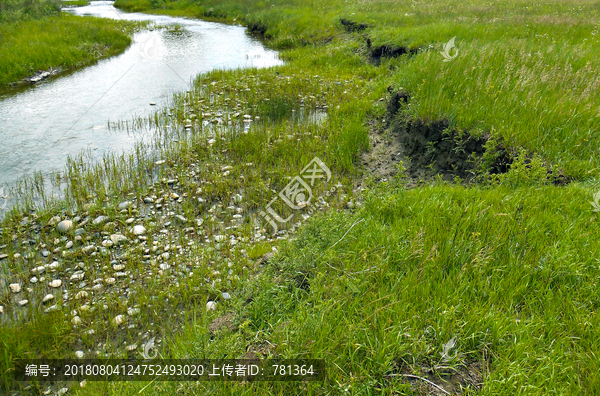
column 41, row 125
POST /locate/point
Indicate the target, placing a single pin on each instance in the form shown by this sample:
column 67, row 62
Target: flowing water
column 40, row 126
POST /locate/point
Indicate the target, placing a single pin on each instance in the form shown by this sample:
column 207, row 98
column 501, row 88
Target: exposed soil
column 350, row 26
column 455, row 381
column 387, row 51
column 428, row 148
column 257, row 28
column 223, row 324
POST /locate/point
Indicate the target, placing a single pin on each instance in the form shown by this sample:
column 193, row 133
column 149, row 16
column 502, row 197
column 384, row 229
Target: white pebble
column 79, row 354
column 65, row 226
column 47, row 298
column 76, row 320
column 211, row 306
column 139, row 230
column 117, row 238
column 55, row 283
column 23, row 302
column 15, row 287
column 119, row 319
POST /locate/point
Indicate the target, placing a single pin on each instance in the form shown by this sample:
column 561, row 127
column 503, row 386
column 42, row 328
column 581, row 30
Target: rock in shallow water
column 125, row 205
column 55, row 283
column 100, row 220
column 47, row 298
column 118, row 238
column 65, row 226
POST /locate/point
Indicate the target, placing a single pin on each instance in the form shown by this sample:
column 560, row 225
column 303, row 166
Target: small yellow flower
column 475, row 234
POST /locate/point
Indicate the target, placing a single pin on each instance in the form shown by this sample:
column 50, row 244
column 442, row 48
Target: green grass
column 22, row 10
column 33, row 40
column 379, row 279
column 75, row 3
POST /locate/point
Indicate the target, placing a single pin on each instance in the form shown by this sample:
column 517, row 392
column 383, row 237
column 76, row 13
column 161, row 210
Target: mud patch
column 379, row 52
column 223, row 324
column 259, row 351
column 257, row 28
column 350, row 26
column 460, row 380
column 429, row 148
column 434, row 148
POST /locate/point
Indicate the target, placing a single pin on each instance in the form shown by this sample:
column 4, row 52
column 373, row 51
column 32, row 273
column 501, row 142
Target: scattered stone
column 107, row 243
column 100, row 220
column 1, row 309
column 121, row 274
column 129, row 221
column 23, row 302
column 211, row 306
column 54, row 266
column 54, row 221
column 55, row 283
column 69, row 245
column 160, row 162
column 148, row 200
column 62, row 391
column 226, row 296
column 51, row 308
column 65, row 226
column 131, row 347
column 79, row 232
column 76, row 320
column 118, row 238
column 174, row 196
column 119, row 319
column 125, row 205
column 79, row 354
column 118, row 267
column 15, row 287
column 237, row 198
column 139, row 230
column 82, row 294
column 48, row 297
column 3, row 256
column 33, row 280
column 220, row 238
column 17, row 256
column 110, row 281
column 89, row 249
column 133, row 311
column 181, row 218
column 97, row 288
column 164, row 267
column 77, row 276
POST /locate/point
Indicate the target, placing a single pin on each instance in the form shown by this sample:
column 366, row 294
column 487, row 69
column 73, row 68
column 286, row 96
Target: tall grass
column 22, row 10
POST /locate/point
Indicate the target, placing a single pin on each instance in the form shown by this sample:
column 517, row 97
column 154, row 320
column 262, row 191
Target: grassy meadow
column 409, row 284
column 35, row 35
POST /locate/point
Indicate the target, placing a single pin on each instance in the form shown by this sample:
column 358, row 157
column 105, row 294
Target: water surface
column 42, row 125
